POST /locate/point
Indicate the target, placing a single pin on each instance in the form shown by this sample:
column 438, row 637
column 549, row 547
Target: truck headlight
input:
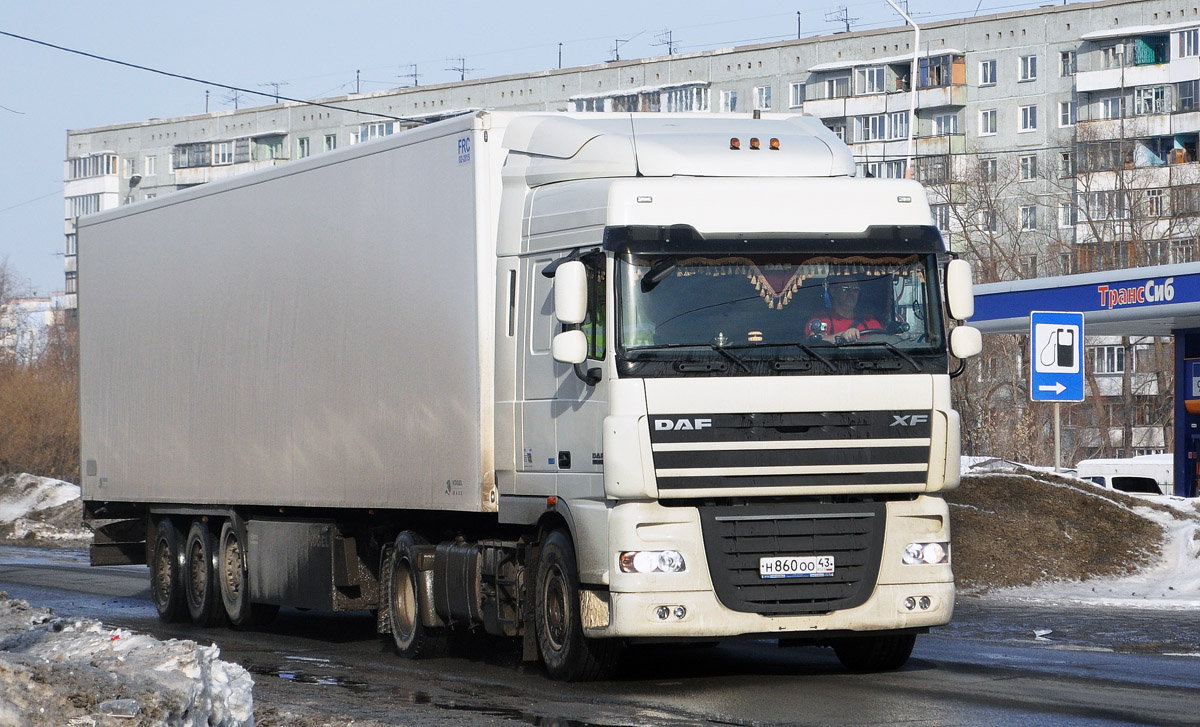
column 926, row 553
column 652, row 561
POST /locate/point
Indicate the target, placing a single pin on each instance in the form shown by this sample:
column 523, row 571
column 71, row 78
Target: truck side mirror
column 960, row 292
column 965, row 342
column 569, row 347
column 570, row 293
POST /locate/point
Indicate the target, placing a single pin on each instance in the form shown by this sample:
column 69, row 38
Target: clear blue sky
column 316, row 48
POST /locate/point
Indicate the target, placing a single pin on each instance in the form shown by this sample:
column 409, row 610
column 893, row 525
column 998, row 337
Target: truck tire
column 201, row 584
column 166, row 573
column 234, row 577
column 413, row 639
column 874, row 653
column 567, row 654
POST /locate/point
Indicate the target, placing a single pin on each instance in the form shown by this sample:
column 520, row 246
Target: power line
column 31, row 201
column 193, row 79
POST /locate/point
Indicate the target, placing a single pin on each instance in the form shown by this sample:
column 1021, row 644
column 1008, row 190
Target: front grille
column 736, row 537
column 772, row 453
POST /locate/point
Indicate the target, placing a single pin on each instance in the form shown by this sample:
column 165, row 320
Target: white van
column 1151, row 474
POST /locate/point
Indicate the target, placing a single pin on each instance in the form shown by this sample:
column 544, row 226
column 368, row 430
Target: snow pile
column 61, row 672
column 40, row 508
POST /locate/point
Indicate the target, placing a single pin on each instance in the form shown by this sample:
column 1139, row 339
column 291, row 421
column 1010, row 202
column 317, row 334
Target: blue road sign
column 1056, row 340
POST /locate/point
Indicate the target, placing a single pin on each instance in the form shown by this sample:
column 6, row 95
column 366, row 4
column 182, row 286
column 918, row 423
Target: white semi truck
column 568, row 378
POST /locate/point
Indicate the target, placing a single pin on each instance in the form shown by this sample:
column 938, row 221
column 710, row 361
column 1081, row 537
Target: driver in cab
column 841, row 322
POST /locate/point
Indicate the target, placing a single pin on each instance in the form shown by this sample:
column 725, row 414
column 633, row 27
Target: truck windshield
column 778, row 313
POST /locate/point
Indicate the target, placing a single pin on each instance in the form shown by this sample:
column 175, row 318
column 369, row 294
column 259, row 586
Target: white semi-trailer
column 571, row 378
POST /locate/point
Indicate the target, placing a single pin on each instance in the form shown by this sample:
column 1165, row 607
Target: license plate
column 796, row 566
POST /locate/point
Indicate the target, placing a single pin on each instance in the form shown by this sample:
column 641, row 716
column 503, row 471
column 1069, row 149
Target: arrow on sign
column 1057, row 388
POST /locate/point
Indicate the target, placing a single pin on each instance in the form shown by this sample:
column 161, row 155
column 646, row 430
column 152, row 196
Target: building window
column 945, row 124
column 330, row 142
column 1028, row 217
column 302, row 148
column 1066, row 63
column 869, row 128
column 130, row 167
column 1189, row 43
column 1029, row 264
column 1066, row 113
column 1108, row 359
column 839, row 130
column 897, row 169
column 796, row 96
column 987, row 122
column 987, row 73
column 869, row 80
column 1068, row 215
column 837, row 87
column 762, row 98
column 84, row 204
column 72, row 242
column 1150, row 100
column 151, row 166
column 941, row 216
column 1112, row 56
column 729, row 101
column 1066, row 164
column 935, row 71
column 94, row 165
column 1028, row 165
column 1028, row 68
column 1183, row 250
column 1028, row 119
column 1112, row 107
column 1187, row 95
column 687, row 98
column 898, row 125
column 1156, row 202
column 989, row 221
column 222, row 153
column 988, row 170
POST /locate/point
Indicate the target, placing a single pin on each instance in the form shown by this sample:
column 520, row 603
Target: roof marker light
column 735, row 143
column 754, row 143
column 775, row 144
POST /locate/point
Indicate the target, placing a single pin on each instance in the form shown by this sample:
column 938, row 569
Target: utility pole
column 206, row 92
column 358, row 82
column 798, row 15
column 461, row 68
column 413, row 75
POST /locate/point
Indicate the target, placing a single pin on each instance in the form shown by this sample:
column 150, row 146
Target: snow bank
column 24, row 494
column 60, row 672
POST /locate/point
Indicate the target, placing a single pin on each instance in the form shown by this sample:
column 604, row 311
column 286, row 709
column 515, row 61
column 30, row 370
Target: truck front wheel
column 566, row 652
column 166, row 573
column 874, row 653
column 200, row 576
column 413, row 639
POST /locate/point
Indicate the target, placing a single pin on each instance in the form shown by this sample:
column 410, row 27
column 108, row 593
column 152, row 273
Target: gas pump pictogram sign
column 1056, row 355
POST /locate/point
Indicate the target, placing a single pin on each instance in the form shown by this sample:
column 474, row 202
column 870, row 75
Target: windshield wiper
column 888, row 346
column 721, row 350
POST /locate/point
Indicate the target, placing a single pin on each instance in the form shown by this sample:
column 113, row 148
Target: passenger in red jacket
column 840, row 322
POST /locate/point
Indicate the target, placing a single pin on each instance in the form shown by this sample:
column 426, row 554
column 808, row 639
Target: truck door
column 561, row 417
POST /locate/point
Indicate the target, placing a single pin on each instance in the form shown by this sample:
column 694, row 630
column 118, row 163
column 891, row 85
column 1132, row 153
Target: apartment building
column 1056, row 140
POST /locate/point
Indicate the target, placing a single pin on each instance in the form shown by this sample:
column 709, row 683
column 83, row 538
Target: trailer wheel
column 234, row 577
column 166, row 573
column 200, row 576
column 566, row 652
column 874, row 653
column 412, row 638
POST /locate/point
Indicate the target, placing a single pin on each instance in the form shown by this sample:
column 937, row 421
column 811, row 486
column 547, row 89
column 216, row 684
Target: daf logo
column 908, row 420
column 679, row 425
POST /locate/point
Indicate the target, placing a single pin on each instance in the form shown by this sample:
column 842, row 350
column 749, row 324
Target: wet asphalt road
column 989, row 667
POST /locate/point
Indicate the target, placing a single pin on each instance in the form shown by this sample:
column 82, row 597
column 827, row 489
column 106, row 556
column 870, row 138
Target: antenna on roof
column 461, row 68
column 841, row 15
column 275, row 85
column 665, row 38
column 414, row 75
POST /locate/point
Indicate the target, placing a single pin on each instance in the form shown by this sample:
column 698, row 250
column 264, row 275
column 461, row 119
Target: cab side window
column 593, row 325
